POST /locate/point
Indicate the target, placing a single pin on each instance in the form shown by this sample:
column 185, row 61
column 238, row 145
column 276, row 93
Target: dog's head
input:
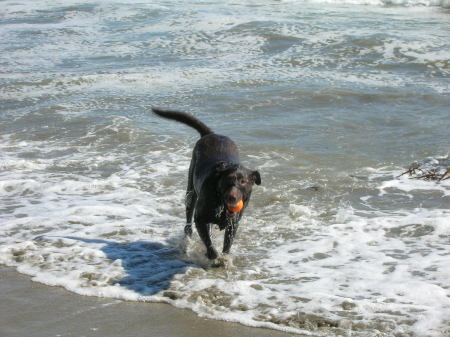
column 235, row 184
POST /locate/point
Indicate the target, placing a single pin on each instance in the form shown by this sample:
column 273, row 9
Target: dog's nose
column 231, row 199
column 233, row 195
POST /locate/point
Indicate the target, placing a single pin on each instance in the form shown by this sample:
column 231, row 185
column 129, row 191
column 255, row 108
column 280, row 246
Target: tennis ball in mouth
column 237, row 208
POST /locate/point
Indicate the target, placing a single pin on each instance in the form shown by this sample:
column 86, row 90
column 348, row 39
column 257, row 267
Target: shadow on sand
column 150, row 266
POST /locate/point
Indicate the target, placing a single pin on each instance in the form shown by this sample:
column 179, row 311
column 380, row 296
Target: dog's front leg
column 204, row 233
column 191, row 199
column 230, row 233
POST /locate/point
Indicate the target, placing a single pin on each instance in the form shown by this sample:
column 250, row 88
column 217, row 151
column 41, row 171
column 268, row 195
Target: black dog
column 219, row 187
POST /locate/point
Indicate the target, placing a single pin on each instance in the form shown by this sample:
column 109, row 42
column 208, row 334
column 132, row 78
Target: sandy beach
column 31, row 309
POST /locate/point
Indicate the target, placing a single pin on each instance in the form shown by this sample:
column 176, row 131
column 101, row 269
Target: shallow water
column 330, row 101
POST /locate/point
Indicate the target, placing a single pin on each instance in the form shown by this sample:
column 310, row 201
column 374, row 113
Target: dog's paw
column 188, row 230
column 211, row 253
column 223, row 261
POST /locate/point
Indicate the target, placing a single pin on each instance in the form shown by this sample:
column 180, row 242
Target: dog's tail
column 184, row 118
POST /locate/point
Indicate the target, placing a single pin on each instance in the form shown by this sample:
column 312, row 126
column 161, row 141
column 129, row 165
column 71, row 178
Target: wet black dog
column 219, row 187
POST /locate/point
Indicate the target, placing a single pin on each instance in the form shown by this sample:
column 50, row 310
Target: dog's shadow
column 150, row 266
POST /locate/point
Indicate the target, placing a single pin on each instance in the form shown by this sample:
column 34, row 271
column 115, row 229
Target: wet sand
column 34, row 310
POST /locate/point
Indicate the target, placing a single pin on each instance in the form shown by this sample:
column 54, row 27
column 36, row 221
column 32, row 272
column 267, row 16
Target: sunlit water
column 331, row 101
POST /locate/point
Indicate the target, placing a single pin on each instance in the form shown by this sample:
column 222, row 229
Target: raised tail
column 184, row 118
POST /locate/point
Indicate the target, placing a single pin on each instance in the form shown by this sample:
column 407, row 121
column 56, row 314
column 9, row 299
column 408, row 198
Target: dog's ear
column 255, row 177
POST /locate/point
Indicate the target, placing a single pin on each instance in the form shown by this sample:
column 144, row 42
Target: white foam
column 215, row 37
column 292, row 269
column 403, row 3
column 406, row 184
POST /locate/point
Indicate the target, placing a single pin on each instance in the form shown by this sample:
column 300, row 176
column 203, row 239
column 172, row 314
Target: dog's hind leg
column 191, row 199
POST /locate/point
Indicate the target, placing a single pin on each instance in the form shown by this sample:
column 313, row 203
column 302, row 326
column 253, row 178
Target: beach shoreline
column 35, row 310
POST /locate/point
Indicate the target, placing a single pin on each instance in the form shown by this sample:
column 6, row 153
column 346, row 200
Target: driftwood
column 417, row 171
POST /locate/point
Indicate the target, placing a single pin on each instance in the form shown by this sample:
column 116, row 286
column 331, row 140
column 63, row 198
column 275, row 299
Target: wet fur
column 216, row 181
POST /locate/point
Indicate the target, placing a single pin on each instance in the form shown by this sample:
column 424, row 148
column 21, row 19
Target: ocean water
column 330, row 100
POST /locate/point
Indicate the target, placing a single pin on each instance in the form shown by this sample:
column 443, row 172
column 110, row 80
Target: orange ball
column 236, row 208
